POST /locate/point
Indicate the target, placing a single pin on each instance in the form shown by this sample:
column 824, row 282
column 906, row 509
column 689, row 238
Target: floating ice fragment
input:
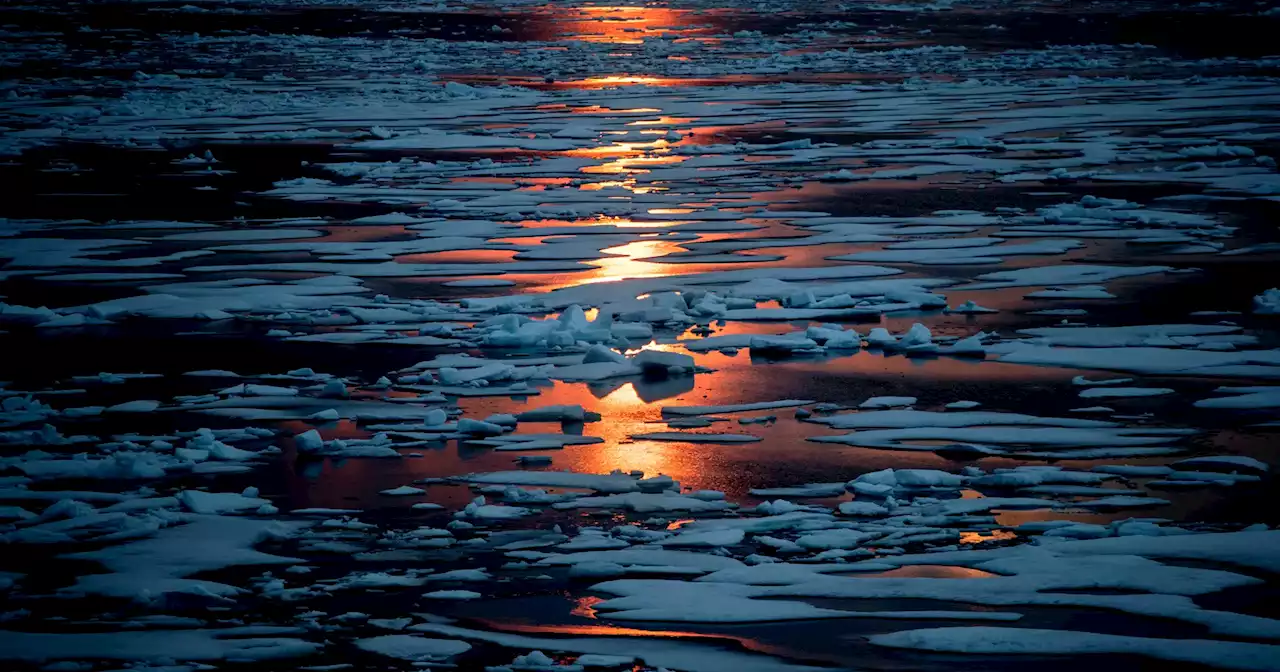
column 1120, row 392
column 992, row 640
column 402, row 491
column 1267, row 303
column 197, row 501
column 970, row 308
column 452, row 595
column 887, row 402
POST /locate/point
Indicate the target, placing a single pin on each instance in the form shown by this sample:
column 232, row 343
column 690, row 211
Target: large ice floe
column 687, row 336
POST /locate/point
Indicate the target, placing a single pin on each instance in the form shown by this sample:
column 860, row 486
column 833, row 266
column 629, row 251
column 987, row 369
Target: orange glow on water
column 633, row 164
column 586, row 607
column 621, row 25
column 617, row 149
column 460, row 256
column 625, row 79
column 624, row 399
column 627, row 261
column 990, row 535
column 1016, row 518
column 663, row 121
column 650, row 80
column 631, row 224
column 597, row 109
column 929, row 572
column 629, row 184
column 593, row 630
column 608, row 184
column 628, row 413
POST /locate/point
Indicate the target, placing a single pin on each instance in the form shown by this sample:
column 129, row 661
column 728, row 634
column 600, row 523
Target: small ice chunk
column 413, row 647
column 1085, row 382
column 596, row 570
column 662, row 361
column 452, row 595
column 309, row 442
column 197, row 501
column 1268, row 302
column 1120, row 392
column 869, row 509
column 139, row 406
column 887, row 402
column 970, row 308
column 565, row 414
column 477, row 427
column 402, row 491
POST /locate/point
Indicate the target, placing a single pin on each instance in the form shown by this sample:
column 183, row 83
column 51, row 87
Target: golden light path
column 625, row 261
column 593, row 630
column 620, row 24
column 637, row 147
column 625, row 159
column 634, row 164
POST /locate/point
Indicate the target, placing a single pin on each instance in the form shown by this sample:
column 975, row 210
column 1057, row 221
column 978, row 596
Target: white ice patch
column 150, row 568
column 1024, row 641
column 227, row 644
column 412, row 647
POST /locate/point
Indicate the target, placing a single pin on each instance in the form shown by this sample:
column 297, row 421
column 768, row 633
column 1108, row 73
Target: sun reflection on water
column 621, row 25
column 624, row 79
column 663, row 121
column 627, row 261
column 988, row 535
column 927, row 572
column 593, row 630
column 634, row 164
column 586, row 606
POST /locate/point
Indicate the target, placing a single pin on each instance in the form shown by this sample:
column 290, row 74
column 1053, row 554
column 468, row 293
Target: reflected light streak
column 626, row 261
column 928, row 572
column 597, row 109
column 618, row 149
column 632, row 164
column 629, row 184
column 629, row 224
column 586, row 607
column 608, row 184
column 607, row 81
column 595, row 630
column 621, row 25
column 461, row 257
column 627, row 414
column 663, row 121
column 989, row 535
